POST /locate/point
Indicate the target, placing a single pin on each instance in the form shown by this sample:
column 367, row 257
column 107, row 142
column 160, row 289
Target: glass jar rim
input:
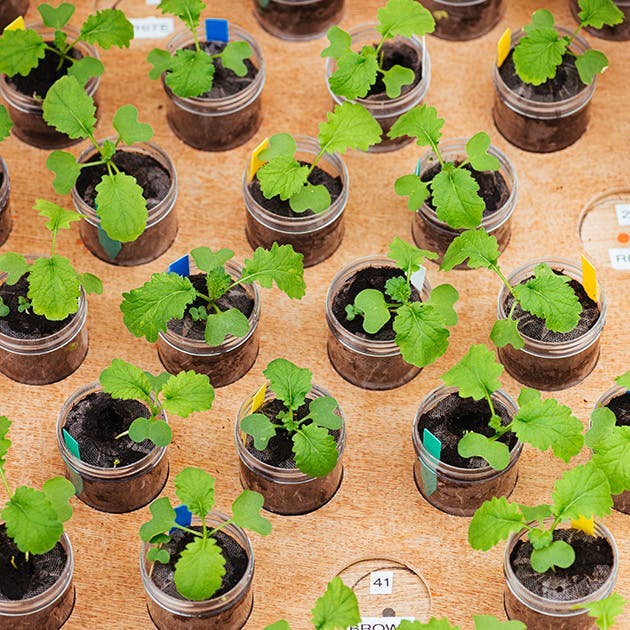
column 5, row 187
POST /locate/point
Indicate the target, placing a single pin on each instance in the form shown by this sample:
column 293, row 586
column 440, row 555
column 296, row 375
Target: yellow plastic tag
column 255, row 162
column 586, row 525
column 16, row 25
column 589, row 279
column 259, row 397
column 503, row 47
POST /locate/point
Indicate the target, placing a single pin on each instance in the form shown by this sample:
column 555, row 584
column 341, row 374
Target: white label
column 417, row 278
column 620, row 258
column 152, row 27
column 381, row 582
column 623, row 213
column 380, row 623
column 153, row 1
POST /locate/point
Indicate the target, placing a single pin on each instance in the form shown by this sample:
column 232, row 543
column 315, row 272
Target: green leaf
column 260, row 428
column 20, row 52
column 59, row 218
column 597, row 13
column 157, row 431
column 355, row 73
column 442, row 299
column 54, row 288
column 476, row 246
column 129, row 129
column 233, row 55
column 495, row 453
column 476, row 375
column 407, row 256
column 125, row 381
column 315, row 450
column 283, row 175
column 395, row 78
column 315, row 198
column 108, row 28
column 195, row 489
column 456, row 199
column 322, row 413
column 624, row 380
column 613, row 458
column 603, row 422
column 398, row 289
column 433, row 624
column 289, row 382
column 589, row 64
column 5, row 444
column 337, row 608
column 488, row 622
column 147, row 309
column 158, row 382
column 535, row 513
column 59, row 491
column 371, row 304
column 340, row 43
column 420, row 333
column 558, row 554
column 207, row 260
column 413, row 187
column 69, row 109
column 582, row 491
column 421, row 123
column 280, row 264
column 200, row 569
column 14, row 265
column 83, row 69
column 187, row 10
column 477, row 152
column 158, row 555
column 549, row 296
column 58, row 17
column 5, row 123
column 278, row 625
column 605, row 610
column 220, row 325
column 540, row 538
column 348, row 126
column 246, row 512
column 4, row 309
column 279, row 144
column 505, row 332
column 186, row 393
column 91, row 284
column 191, row 73
column 163, row 519
column 404, row 17
column 494, row 521
column 122, row 207
column 160, row 60
column 66, row 169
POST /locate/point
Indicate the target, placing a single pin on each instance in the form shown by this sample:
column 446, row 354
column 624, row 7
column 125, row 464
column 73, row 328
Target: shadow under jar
column 26, row 110
column 182, row 347
column 409, row 52
column 547, row 600
column 231, row 113
column 369, row 361
column 6, row 222
column 551, row 360
column 155, row 173
column 498, row 189
column 10, row 10
column 547, row 117
column 454, row 484
column 113, row 474
column 619, row 33
column 35, row 350
column 465, row 19
column 38, row 593
column 228, row 609
column 273, row 473
column 297, row 20
column 317, row 236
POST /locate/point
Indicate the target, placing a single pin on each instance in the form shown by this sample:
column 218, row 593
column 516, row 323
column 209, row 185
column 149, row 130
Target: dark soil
column 465, row 22
column 299, row 19
column 620, row 406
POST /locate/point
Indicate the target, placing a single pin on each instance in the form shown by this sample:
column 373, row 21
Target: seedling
column 201, row 565
column 421, row 327
column 542, row 423
column 336, row 609
column 190, row 73
column 454, row 190
column 547, row 295
column 605, row 611
column 482, row 622
column 22, row 50
column 314, row 448
column 183, row 394
column 33, row 518
column 148, row 309
column 348, row 126
column 540, row 52
column 357, row 72
column 54, row 286
column 120, row 204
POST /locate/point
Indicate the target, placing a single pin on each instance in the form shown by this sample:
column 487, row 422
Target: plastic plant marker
column 589, row 279
column 503, row 47
column 181, row 266
column 71, row 443
column 16, row 25
column 259, row 398
column 217, row 30
column 418, row 167
column 255, row 162
column 586, row 525
column 111, row 246
column 434, row 446
column 417, row 278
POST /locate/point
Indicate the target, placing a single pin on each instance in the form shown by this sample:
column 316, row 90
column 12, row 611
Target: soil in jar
column 620, row 406
column 465, row 22
column 299, row 19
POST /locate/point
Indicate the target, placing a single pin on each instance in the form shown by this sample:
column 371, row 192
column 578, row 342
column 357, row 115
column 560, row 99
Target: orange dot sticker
column 503, row 47
column 623, row 237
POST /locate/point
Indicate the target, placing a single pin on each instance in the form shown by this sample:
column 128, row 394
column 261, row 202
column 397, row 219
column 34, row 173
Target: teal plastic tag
column 418, row 167
column 71, row 444
column 112, row 248
column 434, row 446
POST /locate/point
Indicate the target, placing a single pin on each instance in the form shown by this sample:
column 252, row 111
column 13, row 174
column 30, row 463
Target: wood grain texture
column 377, row 511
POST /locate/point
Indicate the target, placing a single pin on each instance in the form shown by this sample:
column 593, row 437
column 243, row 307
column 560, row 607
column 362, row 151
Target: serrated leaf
column 59, row 218
column 108, row 28
column 355, row 73
column 5, row 123
column 5, row 443
column 160, row 59
column 413, row 187
column 589, row 64
column 558, row 554
column 371, row 304
column 125, row 381
column 280, row 264
column 91, row 284
column 147, row 309
column 54, row 288
column 612, row 456
column 582, row 491
column 456, row 198
column 20, row 51
column 477, row 246
column 191, row 73
column 186, row 393
column 200, row 569
column 348, row 126
column 187, row 10
column 488, row 622
column 246, row 512
column 157, row 381
column 404, row 17
column 69, row 109
column 59, row 491
column 129, row 129
column 442, row 299
column 158, row 555
column 624, row 380
column 66, row 169
column 421, row 123
column 220, row 325
column 340, row 43
column 314, row 198
column 4, row 309
column 84, row 69
column 605, row 611
column 163, row 519
column 195, row 489
column 283, row 175
column 206, row 259
column 477, row 152
column 57, row 17
column 315, row 450
column 505, row 332
column 233, row 56
column 289, row 382
column 398, row 289
column 494, row 521
column 278, row 625
column 260, row 428
column 603, row 422
column 218, row 282
column 396, row 78
column 14, row 265
column 408, row 257
column 476, row 375
column 495, row 453
column 540, row 538
column 597, row 13
column 337, row 608
column 322, row 412
column 279, row 144
column 535, row 513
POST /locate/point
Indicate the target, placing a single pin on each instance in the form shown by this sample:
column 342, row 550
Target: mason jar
column 465, row 19
column 317, row 236
column 6, row 222
column 619, row 33
column 161, row 228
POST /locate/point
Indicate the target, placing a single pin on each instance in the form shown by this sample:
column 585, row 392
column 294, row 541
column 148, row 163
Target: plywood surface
column 377, row 511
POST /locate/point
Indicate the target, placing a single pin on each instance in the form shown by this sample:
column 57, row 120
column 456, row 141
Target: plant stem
column 6, row 483
column 315, row 161
column 120, row 435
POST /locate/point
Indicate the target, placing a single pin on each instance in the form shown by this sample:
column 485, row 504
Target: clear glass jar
column 317, row 236
column 161, row 227
column 298, row 20
column 10, row 10
column 455, row 490
column 227, row 612
column 537, row 611
column 6, row 222
column 287, row 491
column 619, row 33
column 217, row 124
column 465, row 19
column 540, row 126
column 431, row 233
column 366, row 363
column 225, row 363
column 386, row 110
column 551, row 365
column 27, row 112
column 48, row 610
column 44, row 360
column 114, row 490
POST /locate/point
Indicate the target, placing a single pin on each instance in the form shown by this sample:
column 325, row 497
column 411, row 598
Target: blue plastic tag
column 181, row 266
column 71, row 444
column 112, row 248
column 217, row 30
column 183, row 517
column 432, row 444
column 418, row 167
